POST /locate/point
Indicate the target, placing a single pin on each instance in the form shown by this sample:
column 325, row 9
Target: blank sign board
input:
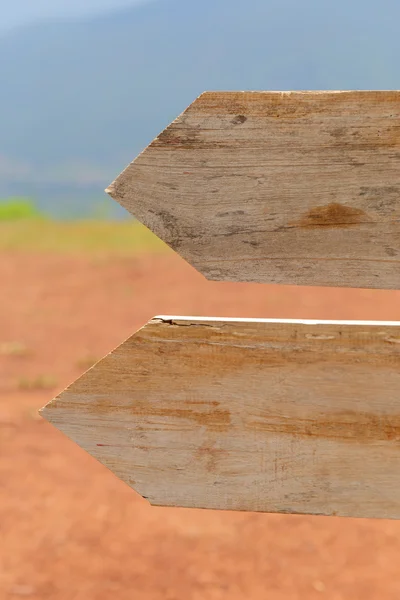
column 277, row 187
column 275, row 416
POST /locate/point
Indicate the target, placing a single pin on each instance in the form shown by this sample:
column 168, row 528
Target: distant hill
column 80, row 99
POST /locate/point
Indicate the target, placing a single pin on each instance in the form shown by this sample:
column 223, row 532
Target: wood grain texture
column 275, row 416
column 277, row 187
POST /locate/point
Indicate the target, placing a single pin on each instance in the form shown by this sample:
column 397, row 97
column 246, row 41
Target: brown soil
column 70, row 530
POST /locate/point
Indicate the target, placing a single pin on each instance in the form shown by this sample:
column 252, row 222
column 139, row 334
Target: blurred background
column 85, row 86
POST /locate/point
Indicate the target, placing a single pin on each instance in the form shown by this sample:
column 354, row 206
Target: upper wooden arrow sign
column 277, row 187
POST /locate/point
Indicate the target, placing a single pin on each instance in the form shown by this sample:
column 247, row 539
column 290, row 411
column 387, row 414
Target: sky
column 15, row 13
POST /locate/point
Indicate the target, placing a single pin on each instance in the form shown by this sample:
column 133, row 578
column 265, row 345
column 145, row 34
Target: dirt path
column 70, row 530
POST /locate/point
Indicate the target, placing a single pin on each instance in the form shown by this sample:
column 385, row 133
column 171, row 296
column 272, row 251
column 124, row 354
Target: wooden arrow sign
column 267, row 415
column 276, row 416
column 277, row 187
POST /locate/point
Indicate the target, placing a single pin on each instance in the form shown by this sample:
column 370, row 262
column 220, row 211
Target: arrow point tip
column 110, row 189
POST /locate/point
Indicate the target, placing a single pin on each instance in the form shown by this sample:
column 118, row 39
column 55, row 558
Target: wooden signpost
column 270, row 187
column 260, row 415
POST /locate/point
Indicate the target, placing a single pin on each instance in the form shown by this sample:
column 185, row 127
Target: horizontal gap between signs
column 283, row 321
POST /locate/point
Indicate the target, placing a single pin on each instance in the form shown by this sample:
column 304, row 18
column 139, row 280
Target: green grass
column 40, row 382
column 16, row 209
column 14, row 349
column 78, row 237
column 24, row 228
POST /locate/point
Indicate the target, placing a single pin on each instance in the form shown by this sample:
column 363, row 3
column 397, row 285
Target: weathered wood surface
column 277, row 187
column 275, row 416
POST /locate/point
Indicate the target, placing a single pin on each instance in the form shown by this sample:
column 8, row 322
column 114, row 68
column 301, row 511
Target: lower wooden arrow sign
column 257, row 415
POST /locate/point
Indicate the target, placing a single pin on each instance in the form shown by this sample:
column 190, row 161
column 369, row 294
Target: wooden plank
column 255, row 415
column 277, row 187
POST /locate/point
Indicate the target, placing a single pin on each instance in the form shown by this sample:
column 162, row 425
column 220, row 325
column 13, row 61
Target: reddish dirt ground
column 69, row 530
